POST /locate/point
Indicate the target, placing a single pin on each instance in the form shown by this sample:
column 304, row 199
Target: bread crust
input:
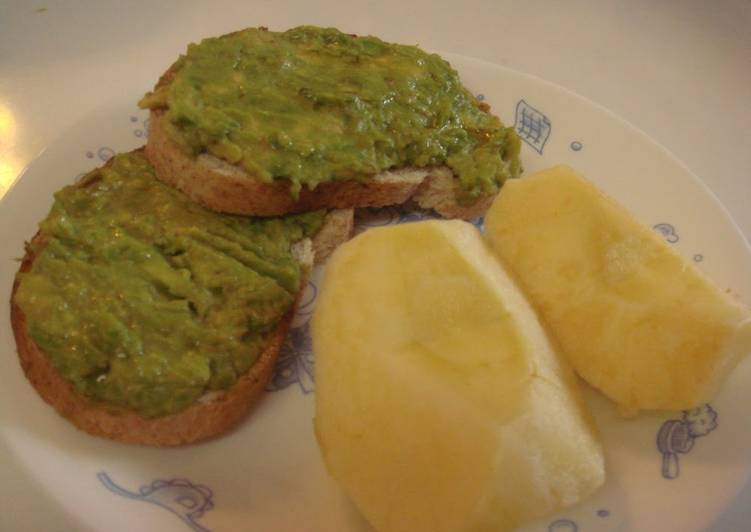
column 212, row 415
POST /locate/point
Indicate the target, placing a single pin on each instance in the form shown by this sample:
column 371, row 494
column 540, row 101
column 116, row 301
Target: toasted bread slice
column 225, row 187
column 213, row 414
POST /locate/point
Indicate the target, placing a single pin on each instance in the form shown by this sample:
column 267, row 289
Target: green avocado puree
column 314, row 104
column 145, row 300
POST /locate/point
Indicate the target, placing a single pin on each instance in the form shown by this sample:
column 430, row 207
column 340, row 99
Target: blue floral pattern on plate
column 141, row 132
column 186, row 500
column 668, row 232
column 563, row 525
column 677, row 436
column 295, row 362
column 532, row 126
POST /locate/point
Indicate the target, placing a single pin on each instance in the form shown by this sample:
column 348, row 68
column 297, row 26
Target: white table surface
column 678, row 70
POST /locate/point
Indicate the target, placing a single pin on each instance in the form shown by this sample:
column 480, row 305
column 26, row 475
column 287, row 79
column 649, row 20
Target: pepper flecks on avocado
column 144, row 300
column 314, row 105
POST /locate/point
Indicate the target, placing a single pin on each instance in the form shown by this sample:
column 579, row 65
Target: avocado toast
column 145, row 318
column 266, row 123
column 144, row 314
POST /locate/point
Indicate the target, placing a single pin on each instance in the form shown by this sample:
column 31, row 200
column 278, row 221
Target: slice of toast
column 227, row 187
column 213, row 414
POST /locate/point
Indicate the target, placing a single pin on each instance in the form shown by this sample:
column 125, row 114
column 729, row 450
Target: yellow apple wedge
column 441, row 405
column 635, row 319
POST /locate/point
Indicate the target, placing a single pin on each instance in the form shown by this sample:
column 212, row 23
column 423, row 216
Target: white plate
column 267, row 475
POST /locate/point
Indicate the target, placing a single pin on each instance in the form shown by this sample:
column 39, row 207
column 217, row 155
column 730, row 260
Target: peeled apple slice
column 635, row 319
column 440, row 403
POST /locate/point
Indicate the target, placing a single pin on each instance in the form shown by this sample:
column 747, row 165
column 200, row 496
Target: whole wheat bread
column 214, row 413
column 226, row 187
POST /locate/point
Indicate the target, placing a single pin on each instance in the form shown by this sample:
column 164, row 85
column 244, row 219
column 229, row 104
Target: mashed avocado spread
column 145, row 300
column 314, row 104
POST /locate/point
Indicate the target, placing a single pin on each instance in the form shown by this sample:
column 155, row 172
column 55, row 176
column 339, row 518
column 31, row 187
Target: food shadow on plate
column 677, row 442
